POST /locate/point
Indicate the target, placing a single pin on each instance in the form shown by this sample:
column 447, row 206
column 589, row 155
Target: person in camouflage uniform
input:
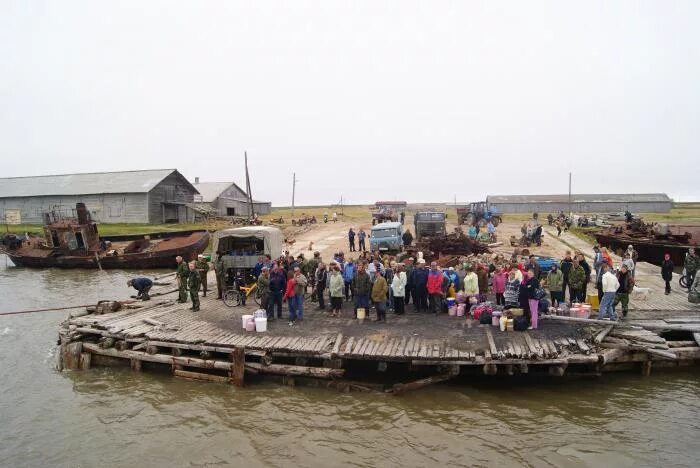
column 309, row 270
column 263, row 287
column 202, row 267
column 577, row 282
column 220, row 276
column 194, row 281
column 182, row 274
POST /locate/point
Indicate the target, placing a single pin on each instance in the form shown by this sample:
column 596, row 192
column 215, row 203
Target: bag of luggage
column 520, row 323
column 485, row 317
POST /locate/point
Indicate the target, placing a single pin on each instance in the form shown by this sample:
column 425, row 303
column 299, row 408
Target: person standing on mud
column 194, row 281
column 203, row 268
column 182, row 274
column 361, row 238
column 419, row 284
column 351, row 240
column 434, row 285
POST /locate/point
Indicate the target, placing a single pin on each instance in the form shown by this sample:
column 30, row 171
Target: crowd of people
column 380, row 282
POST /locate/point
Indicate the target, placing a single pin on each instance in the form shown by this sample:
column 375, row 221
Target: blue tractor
column 477, row 213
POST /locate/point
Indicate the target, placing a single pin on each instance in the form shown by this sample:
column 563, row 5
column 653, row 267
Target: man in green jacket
column 361, row 287
column 182, row 274
column 220, row 275
column 194, row 281
column 203, row 268
column 577, row 282
column 263, row 291
column 555, row 281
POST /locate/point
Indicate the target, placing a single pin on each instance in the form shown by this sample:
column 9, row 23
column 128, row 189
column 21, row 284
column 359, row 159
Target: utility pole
column 569, row 195
column 341, row 205
column 294, row 189
column 247, row 188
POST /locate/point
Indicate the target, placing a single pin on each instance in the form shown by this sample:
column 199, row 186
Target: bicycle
column 235, row 296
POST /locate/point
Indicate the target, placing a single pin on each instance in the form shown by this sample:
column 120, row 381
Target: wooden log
column 523, row 368
column 237, row 372
column 107, row 343
column 150, row 321
column 665, row 354
column 135, row 365
column 696, row 337
column 610, row 355
column 646, row 368
column 600, row 336
column 158, row 358
column 399, row 389
column 301, row 371
column 681, row 344
column 490, row 369
column 199, row 376
column 492, row 343
column 71, row 355
column 121, row 345
column 85, row 361
column 646, row 326
column 150, row 349
column 336, row 345
column 557, row 371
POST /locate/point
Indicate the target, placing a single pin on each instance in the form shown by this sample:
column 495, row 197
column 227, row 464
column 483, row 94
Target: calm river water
column 119, row 418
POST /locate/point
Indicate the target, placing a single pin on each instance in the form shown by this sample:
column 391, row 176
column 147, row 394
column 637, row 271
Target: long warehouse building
column 581, row 203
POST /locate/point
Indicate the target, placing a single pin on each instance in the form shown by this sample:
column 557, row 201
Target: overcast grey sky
column 419, row 101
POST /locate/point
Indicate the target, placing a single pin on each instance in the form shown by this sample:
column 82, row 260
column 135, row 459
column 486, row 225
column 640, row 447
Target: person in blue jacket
column 348, row 274
column 142, row 285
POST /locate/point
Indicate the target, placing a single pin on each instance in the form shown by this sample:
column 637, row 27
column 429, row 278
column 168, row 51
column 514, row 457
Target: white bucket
column 261, row 324
column 260, row 313
column 361, row 314
column 244, row 319
column 452, row 311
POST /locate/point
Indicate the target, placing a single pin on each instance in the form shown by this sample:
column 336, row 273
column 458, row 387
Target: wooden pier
column 404, row 353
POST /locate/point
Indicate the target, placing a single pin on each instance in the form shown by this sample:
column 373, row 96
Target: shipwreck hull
column 649, row 250
column 187, row 244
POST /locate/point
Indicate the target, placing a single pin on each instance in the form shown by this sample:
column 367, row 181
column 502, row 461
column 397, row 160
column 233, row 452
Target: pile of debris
column 450, row 247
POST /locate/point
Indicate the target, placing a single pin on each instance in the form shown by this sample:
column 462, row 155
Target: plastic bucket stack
column 244, row 320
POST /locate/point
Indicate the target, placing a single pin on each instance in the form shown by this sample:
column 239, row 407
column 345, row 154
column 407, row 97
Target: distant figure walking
column 361, row 237
column 351, row 240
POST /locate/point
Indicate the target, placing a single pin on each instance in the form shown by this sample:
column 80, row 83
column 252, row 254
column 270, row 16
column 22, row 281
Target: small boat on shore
column 75, row 243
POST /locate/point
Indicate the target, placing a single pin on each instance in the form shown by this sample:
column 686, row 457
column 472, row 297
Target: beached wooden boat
column 75, row 243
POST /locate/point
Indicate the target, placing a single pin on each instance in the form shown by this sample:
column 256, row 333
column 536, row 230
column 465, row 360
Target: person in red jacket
column 499, row 285
column 291, row 298
column 435, row 279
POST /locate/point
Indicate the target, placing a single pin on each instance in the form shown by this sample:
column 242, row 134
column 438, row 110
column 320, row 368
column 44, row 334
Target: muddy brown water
column 115, row 417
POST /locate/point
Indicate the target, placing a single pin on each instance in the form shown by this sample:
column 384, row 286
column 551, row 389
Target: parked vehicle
column 477, row 213
column 387, row 211
column 386, row 237
column 429, row 223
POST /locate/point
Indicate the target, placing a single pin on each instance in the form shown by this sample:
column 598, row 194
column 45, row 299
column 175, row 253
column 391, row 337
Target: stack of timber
column 406, row 353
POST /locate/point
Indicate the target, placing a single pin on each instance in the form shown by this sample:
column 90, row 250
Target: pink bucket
column 452, row 311
column 250, row 325
column 461, row 308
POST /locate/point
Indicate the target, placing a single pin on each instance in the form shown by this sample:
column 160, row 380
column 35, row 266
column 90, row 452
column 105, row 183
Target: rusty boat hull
column 187, row 244
column 649, row 249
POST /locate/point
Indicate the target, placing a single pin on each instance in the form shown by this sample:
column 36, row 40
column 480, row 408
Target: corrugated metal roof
column 83, row 184
column 210, row 191
column 581, row 198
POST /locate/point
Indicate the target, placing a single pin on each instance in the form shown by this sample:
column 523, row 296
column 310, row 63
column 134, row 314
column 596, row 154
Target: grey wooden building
column 148, row 196
column 582, row 203
column 227, row 199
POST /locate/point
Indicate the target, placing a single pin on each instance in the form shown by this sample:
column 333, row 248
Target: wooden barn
column 148, row 196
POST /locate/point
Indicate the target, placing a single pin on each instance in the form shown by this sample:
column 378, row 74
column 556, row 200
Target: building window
column 230, row 211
